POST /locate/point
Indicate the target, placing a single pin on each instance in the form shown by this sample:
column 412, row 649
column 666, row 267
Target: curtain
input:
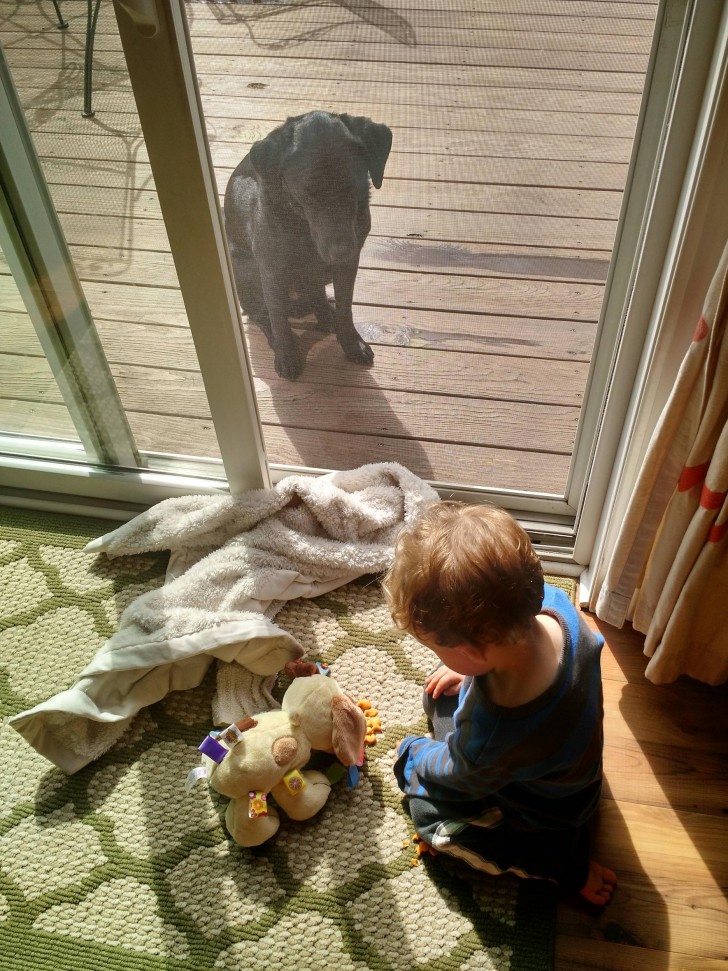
column 668, row 572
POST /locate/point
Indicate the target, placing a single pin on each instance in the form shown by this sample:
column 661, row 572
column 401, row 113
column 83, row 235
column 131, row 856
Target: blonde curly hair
column 464, row 574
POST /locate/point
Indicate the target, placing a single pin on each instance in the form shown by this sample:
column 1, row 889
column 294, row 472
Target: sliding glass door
column 99, row 372
column 506, row 236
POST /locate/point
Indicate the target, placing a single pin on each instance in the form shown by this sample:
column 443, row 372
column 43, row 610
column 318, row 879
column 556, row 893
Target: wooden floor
column 663, row 825
column 481, row 283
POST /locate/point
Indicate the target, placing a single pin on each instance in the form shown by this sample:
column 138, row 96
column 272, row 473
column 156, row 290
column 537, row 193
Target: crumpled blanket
column 234, row 562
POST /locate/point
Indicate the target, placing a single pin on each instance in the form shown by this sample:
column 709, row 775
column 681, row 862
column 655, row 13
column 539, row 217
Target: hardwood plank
column 490, row 297
column 282, row 27
column 427, row 417
column 403, row 223
column 477, row 115
column 511, row 336
column 665, row 748
column 663, row 859
column 603, row 179
column 586, row 954
column 664, row 774
column 495, row 175
column 424, row 194
column 176, row 436
column 504, row 144
column 28, row 379
column 404, row 45
column 300, row 448
column 91, row 148
column 396, row 368
column 111, row 64
column 206, row 22
column 379, row 253
column 40, row 90
column 596, row 10
column 131, row 343
column 499, row 468
column 371, row 410
column 37, row 419
column 231, row 117
column 137, row 303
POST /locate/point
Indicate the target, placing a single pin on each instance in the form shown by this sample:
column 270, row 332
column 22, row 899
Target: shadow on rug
column 117, row 867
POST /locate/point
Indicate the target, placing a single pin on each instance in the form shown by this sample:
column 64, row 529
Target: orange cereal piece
column 370, row 739
column 414, row 861
column 371, row 712
column 364, row 704
column 374, row 725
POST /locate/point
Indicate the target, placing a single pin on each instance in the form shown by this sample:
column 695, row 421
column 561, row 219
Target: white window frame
column 155, row 38
column 698, row 236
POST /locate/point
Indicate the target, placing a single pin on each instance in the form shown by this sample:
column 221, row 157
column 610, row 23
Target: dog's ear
column 377, row 141
column 267, row 155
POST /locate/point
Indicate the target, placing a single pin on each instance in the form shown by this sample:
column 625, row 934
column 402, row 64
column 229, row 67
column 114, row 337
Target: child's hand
column 443, row 681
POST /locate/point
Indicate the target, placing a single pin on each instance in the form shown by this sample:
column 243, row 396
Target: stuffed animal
column 266, row 754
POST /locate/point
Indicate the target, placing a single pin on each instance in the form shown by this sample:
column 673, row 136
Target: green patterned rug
column 118, row 868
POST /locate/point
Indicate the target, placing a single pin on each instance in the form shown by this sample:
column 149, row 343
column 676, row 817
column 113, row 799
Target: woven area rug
column 117, row 867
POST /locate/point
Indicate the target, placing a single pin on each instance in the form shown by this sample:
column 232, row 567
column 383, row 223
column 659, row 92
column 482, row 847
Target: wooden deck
column 481, row 283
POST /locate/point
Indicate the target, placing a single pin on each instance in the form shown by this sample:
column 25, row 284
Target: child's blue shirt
column 539, row 763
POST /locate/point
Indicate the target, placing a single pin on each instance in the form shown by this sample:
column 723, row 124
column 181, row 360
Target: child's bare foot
column 599, row 884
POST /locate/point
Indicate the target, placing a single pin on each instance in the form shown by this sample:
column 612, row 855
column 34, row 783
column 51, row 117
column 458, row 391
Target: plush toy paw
column 247, row 831
column 308, row 801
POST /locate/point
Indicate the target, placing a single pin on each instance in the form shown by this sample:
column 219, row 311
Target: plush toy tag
column 199, row 772
column 294, row 782
column 213, row 749
column 231, row 735
column 258, row 804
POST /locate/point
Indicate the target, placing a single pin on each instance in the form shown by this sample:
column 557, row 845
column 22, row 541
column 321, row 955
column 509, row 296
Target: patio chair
column 92, row 15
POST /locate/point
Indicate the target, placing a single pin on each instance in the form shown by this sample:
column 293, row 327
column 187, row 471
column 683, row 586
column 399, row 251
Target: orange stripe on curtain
column 701, row 330
column 691, row 476
column 710, row 499
column 717, row 533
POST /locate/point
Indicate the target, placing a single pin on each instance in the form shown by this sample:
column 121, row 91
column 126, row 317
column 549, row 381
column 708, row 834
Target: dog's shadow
column 337, row 414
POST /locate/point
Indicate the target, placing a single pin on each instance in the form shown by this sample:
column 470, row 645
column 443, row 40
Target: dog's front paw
column 288, row 362
column 358, row 351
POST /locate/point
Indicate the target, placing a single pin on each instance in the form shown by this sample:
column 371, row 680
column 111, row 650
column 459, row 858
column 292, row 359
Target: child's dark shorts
column 490, row 843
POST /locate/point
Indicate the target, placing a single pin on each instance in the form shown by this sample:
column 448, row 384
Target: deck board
column 481, row 283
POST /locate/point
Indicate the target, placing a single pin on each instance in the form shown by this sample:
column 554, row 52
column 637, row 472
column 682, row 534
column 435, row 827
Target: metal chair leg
column 92, row 16
column 62, row 24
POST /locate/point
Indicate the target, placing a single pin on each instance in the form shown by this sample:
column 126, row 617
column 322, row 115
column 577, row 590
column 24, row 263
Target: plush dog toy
column 266, row 754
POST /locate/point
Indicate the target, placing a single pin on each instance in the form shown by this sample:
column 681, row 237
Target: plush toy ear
column 301, row 669
column 349, row 729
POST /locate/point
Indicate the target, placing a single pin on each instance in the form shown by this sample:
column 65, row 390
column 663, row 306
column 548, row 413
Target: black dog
column 296, row 217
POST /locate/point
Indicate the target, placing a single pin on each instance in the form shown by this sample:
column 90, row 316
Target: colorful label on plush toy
column 231, row 735
column 294, row 782
column 258, row 805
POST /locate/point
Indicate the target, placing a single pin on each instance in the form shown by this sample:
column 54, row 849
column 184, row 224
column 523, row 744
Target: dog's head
column 320, row 163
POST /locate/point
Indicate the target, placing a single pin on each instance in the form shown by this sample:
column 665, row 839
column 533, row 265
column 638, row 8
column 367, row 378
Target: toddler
column 514, row 771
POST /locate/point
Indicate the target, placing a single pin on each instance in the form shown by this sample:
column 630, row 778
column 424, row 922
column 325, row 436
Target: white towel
column 234, row 562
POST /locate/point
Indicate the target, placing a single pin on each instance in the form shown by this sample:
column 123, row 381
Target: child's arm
column 441, row 770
